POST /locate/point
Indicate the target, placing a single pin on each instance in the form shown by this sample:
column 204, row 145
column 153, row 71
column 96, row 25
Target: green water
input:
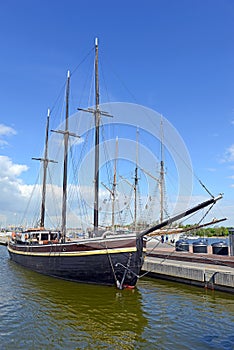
column 39, row 312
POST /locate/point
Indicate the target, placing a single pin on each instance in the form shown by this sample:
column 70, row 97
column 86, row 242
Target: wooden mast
column 97, row 115
column 66, row 135
column 136, row 181
column 97, row 124
column 45, row 161
column 161, row 181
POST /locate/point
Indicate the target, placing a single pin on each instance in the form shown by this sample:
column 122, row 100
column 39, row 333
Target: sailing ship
column 109, row 259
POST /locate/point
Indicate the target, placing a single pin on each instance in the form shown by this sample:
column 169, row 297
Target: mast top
column 48, row 112
column 96, row 41
column 68, row 74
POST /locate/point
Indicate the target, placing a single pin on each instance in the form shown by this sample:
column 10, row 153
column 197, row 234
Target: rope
column 125, row 271
column 208, row 210
column 112, row 267
column 206, row 188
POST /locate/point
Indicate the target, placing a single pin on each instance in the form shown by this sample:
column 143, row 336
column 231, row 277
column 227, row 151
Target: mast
column 65, row 160
column 161, row 181
column 136, row 181
column 66, row 135
column 45, row 164
column 45, row 161
column 97, row 115
column 97, row 125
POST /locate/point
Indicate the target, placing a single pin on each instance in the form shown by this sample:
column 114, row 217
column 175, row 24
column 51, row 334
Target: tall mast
column 97, row 115
column 45, row 164
column 45, row 161
column 97, row 124
column 136, row 181
column 66, row 135
column 162, row 174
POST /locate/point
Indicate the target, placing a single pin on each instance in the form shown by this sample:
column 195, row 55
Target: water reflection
column 39, row 312
column 185, row 317
column 48, row 312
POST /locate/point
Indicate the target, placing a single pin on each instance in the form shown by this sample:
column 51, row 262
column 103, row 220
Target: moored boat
column 109, row 259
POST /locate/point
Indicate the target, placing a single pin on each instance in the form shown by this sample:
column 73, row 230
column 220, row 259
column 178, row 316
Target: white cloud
column 5, row 131
column 11, row 200
column 10, row 170
column 229, row 155
column 20, row 203
column 212, row 170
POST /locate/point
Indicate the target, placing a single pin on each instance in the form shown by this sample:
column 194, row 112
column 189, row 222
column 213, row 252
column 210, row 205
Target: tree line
column 210, row 231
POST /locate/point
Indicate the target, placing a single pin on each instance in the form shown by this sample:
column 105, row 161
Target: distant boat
column 110, row 259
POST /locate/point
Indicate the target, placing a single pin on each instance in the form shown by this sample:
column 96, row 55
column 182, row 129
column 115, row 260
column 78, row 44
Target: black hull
column 118, row 266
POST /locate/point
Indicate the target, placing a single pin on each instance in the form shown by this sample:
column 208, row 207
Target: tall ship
column 104, row 257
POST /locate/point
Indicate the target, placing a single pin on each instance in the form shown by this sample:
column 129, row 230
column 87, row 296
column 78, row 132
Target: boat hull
column 109, row 262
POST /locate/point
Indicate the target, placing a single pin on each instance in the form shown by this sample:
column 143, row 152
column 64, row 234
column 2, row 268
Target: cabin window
column 53, row 236
column 44, row 236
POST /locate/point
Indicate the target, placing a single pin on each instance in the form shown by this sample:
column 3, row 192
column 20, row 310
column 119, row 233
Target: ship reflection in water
column 40, row 312
column 45, row 313
column 87, row 316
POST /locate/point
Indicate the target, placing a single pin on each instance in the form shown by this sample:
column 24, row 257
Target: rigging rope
column 112, row 267
column 208, row 210
column 206, row 188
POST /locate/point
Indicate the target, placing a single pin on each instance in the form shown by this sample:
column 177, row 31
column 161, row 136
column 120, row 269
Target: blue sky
column 175, row 57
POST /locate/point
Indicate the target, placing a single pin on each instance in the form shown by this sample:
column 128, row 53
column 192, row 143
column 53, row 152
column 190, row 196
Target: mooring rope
column 112, row 267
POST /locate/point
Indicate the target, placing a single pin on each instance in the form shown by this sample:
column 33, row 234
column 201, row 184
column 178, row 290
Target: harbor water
column 40, row 312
